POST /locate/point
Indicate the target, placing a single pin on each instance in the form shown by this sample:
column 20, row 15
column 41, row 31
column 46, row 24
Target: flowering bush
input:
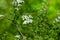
column 29, row 20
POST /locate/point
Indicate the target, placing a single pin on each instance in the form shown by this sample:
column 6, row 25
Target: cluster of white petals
column 17, row 3
column 27, row 19
column 20, row 1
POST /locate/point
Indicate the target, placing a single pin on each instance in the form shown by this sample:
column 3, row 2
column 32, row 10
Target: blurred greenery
column 45, row 25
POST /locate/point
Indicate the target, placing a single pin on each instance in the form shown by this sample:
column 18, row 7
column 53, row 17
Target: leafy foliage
column 45, row 24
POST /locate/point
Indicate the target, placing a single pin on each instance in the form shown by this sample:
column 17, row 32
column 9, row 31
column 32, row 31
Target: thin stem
column 19, row 30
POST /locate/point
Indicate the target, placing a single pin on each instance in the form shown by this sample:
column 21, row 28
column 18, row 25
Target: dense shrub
column 29, row 20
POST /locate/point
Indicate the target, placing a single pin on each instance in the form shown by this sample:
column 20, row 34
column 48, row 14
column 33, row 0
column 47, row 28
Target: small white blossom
column 19, row 5
column 58, row 17
column 30, row 16
column 20, row 1
column 17, row 36
column 1, row 15
column 56, row 20
column 17, row 8
column 27, row 19
column 14, row 2
column 25, row 22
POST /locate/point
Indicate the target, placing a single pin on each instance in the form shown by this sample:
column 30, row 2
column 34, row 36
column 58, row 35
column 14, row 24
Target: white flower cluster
column 20, row 1
column 27, row 19
column 14, row 2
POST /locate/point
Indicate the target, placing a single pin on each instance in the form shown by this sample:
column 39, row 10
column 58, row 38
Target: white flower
column 17, row 36
column 14, row 2
column 19, row 5
column 56, row 20
column 20, row 1
column 30, row 16
column 58, row 17
column 1, row 15
column 27, row 19
column 17, row 8
column 25, row 22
